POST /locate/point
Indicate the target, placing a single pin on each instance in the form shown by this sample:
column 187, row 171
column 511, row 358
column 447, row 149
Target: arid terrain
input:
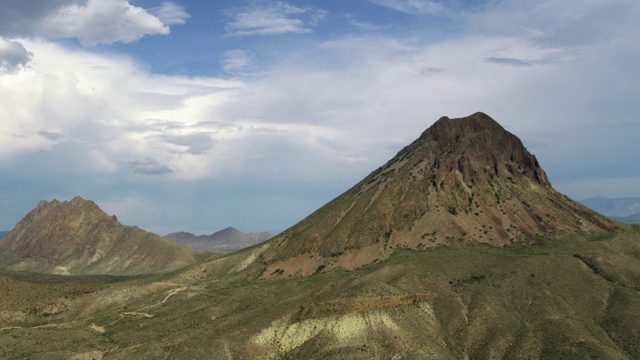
column 457, row 248
column 574, row 297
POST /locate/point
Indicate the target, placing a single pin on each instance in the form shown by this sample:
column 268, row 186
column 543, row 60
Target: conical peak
column 229, row 230
column 465, row 180
column 474, row 146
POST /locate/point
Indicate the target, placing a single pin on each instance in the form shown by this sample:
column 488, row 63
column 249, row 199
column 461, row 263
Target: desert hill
column 76, row 237
column 463, row 181
column 226, row 240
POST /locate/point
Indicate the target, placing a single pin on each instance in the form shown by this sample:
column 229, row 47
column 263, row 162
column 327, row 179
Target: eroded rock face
column 76, row 237
column 464, row 180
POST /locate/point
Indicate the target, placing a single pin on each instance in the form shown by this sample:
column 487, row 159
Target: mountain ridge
column 630, row 219
column 615, row 207
column 76, row 237
column 226, row 240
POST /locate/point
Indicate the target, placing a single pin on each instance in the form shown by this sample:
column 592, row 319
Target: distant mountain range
column 626, row 210
column 3, row 234
column 227, row 240
column 631, row 219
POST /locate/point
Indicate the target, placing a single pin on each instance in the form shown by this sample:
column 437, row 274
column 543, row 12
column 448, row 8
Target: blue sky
column 198, row 115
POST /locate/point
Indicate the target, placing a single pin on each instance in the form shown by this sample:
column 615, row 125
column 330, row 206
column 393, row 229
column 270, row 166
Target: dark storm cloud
column 509, row 61
column 13, row 55
column 20, row 18
column 150, row 166
column 52, row 136
column 197, row 144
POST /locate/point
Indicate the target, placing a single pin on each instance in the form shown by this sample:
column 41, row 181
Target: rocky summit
column 77, row 238
column 463, row 181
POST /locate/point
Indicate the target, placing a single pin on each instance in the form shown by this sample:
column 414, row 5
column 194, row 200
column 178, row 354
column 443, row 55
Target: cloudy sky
column 196, row 115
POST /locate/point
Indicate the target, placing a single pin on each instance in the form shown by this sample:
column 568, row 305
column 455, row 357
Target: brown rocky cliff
column 462, row 181
column 76, row 237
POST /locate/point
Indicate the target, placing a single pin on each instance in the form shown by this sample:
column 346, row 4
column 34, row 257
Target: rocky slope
column 227, row 240
column 463, row 181
column 76, row 237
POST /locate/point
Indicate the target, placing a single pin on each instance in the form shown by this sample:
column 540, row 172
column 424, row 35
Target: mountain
column 76, row 237
column 227, row 240
column 630, row 219
column 463, row 181
column 3, row 234
column 620, row 207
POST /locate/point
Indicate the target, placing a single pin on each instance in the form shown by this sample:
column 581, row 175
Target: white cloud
column 102, row 21
column 415, row 6
column 91, row 21
column 272, row 18
column 107, row 103
column 110, row 115
column 556, row 22
column 170, row 13
column 235, row 60
column 359, row 24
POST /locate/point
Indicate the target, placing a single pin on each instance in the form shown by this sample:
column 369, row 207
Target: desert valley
column 458, row 247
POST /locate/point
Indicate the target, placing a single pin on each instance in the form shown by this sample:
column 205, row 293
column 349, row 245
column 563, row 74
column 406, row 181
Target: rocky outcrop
column 77, row 238
column 463, row 181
